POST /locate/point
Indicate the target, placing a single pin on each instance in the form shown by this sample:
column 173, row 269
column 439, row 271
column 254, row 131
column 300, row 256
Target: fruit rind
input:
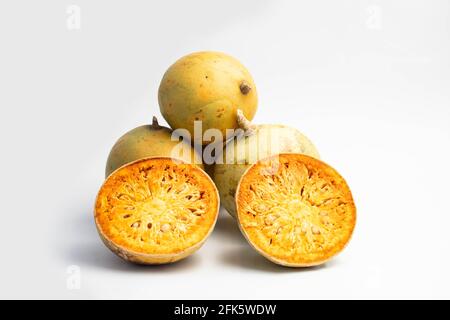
column 206, row 86
column 149, row 141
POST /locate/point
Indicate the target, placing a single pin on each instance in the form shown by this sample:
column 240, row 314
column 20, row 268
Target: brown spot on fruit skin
column 220, row 112
column 245, row 87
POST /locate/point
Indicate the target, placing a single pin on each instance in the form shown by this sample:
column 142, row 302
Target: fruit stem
column 155, row 123
column 244, row 123
column 245, row 87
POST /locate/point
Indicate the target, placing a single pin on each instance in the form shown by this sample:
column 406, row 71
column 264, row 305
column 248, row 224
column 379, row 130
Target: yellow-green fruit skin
column 148, row 141
column 266, row 140
column 206, row 86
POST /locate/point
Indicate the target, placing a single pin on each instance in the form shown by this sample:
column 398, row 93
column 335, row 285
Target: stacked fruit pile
column 158, row 204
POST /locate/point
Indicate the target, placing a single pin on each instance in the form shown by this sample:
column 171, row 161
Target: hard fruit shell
column 149, row 141
column 208, row 87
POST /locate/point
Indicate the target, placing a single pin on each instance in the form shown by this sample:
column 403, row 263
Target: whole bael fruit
column 208, row 87
column 156, row 210
column 149, row 141
column 256, row 142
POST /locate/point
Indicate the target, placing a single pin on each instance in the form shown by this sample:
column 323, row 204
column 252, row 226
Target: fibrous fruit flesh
column 257, row 142
column 156, row 210
column 149, row 141
column 209, row 87
column 295, row 210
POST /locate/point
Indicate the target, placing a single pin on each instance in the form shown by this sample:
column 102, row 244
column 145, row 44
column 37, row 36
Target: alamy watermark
column 73, row 19
column 374, row 17
column 73, row 280
column 233, row 147
column 238, row 146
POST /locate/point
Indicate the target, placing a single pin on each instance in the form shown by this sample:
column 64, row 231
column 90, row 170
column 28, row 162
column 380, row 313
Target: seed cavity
column 260, row 207
column 315, row 230
column 270, row 219
column 304, row 229
column 136, row 224
column 165, row 227
column 251, row 224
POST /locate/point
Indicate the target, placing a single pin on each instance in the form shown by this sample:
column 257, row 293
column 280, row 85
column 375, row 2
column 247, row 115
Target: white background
column 367, row 81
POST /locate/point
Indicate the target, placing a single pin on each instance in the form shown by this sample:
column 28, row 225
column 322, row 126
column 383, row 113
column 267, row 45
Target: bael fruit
column 148, row 141
column 257, row 142
column 208, row 87
column 295, row 210
column 156, row 210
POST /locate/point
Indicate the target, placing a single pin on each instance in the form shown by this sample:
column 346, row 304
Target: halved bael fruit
column 295, row 210
column 156, row 210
